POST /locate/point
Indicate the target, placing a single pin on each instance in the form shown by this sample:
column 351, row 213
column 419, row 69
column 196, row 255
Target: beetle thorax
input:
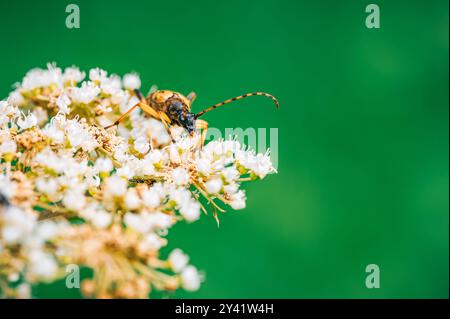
column 162, row 100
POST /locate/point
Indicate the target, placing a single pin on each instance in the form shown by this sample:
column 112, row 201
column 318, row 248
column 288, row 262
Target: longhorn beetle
column 174, row 108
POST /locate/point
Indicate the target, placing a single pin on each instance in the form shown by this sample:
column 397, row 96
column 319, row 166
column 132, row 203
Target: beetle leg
column 166, row 122
column 202, row 125
column 191, row 97
column 142, row 104
column 150, row 139
column 139, row 94
column 152, row 89
column 122, row 117
column 149, row 110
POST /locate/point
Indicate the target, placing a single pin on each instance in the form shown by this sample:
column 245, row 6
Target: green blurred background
column 363, row 130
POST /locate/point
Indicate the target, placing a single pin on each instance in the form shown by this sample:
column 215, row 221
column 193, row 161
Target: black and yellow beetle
column 173, row 108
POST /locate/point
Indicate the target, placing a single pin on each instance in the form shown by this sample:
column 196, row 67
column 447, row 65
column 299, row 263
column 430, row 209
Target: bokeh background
column 363, row 131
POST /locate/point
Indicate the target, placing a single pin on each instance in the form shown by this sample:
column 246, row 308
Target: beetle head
column 189, row 123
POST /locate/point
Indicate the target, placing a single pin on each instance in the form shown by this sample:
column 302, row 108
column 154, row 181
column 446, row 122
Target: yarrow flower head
column 72, row 192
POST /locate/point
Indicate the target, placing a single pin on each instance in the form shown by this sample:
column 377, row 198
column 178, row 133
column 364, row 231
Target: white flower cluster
column 73, row 192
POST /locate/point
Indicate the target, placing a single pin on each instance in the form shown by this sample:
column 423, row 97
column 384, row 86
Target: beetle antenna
column 235, row 99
